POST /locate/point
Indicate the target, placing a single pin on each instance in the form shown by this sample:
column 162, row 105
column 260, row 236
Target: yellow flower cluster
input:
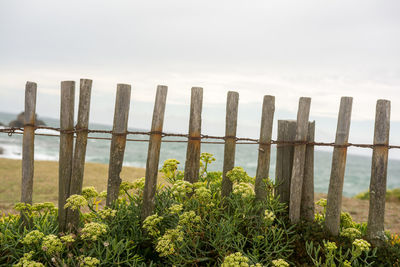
column 91, row 231
column 166, row 244
column 42, row 206
column 89, row 192
column 351, row 233
column 244, row 189
column 75, row 202
column 203, row 194
column 280, row 263
column 176, row 208
column 68, row 238
column 88, row 261
column 33, row 237
column 330, row 246
column 181, row 188
column 137, row 184
column 237, row 260
column 107, row 213
column 239, row 175
column 346, row 263
column 150, row 224
column 26, row 261
column 362, row 244
column 189, row 219
column 346, row 220
column 269, row 217
column 52, row 244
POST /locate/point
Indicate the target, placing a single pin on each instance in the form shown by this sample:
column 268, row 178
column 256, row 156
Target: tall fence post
column 284, row 159
column 28, row 146
column 153, row 155
column 299, row 159
column 264, row 149
column 118, row 141
column 192, row 164
column 335, row 191
column 230, row 141
column 377, row 189
column 66, row 148
column 78, row 163
column 307, row 209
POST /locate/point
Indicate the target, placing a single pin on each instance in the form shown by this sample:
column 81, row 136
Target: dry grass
column 45, row 185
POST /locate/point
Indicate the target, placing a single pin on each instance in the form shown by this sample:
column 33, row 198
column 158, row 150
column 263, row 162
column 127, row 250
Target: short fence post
column 153, row 155
column 28, row 146
column 78, row 163
column 335, row 191
column 66, row 149
column 118, row 141
column 284, row 159
column 307, row 196
column 264, row 149
column 299, row 159
column 192, row 164
column 377, row 190
column 230, row 141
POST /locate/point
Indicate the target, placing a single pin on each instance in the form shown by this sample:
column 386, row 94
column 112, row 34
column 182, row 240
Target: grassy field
column 45, row 185
column 45, row 188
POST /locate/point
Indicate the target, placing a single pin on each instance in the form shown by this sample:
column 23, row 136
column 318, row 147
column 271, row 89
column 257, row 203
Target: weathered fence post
column 264, row 149
column 335, row 191
column 192, row 164
column 66, row 148
column 28, row 146
column 230, row 141
column 377, row 189
column 284, row 159
column 78, row 163
column 299, row 159
column 118, row 141
column 307, row 209
column 153, row 155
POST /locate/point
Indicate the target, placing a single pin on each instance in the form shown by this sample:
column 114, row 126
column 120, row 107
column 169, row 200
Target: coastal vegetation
column 191, row 226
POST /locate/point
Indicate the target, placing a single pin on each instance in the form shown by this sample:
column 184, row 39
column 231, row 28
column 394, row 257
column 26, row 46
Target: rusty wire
column 239, row 140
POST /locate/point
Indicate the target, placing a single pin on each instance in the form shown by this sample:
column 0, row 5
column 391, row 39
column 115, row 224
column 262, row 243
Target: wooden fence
column 294, row 164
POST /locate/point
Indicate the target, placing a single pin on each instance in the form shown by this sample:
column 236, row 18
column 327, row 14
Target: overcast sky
column 320, row 49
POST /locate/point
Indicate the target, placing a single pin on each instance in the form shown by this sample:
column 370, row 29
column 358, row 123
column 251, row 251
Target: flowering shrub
column 191, row 226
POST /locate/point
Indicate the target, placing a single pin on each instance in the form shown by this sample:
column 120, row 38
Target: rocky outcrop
column 19, row 122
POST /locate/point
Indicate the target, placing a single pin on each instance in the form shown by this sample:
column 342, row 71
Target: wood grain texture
column 335, row 191
column 307, row 209
column 118, row 141
column 192, row 164
column 28, row 143
column 230, row 141
column 78, row 163
column 153, row 155
column 377, row 189
column 284, row 159
column 264, row 149
column 299, row 159
column 66, row 148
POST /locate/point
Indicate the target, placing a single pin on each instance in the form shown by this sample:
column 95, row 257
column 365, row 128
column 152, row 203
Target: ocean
column 357, row 175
